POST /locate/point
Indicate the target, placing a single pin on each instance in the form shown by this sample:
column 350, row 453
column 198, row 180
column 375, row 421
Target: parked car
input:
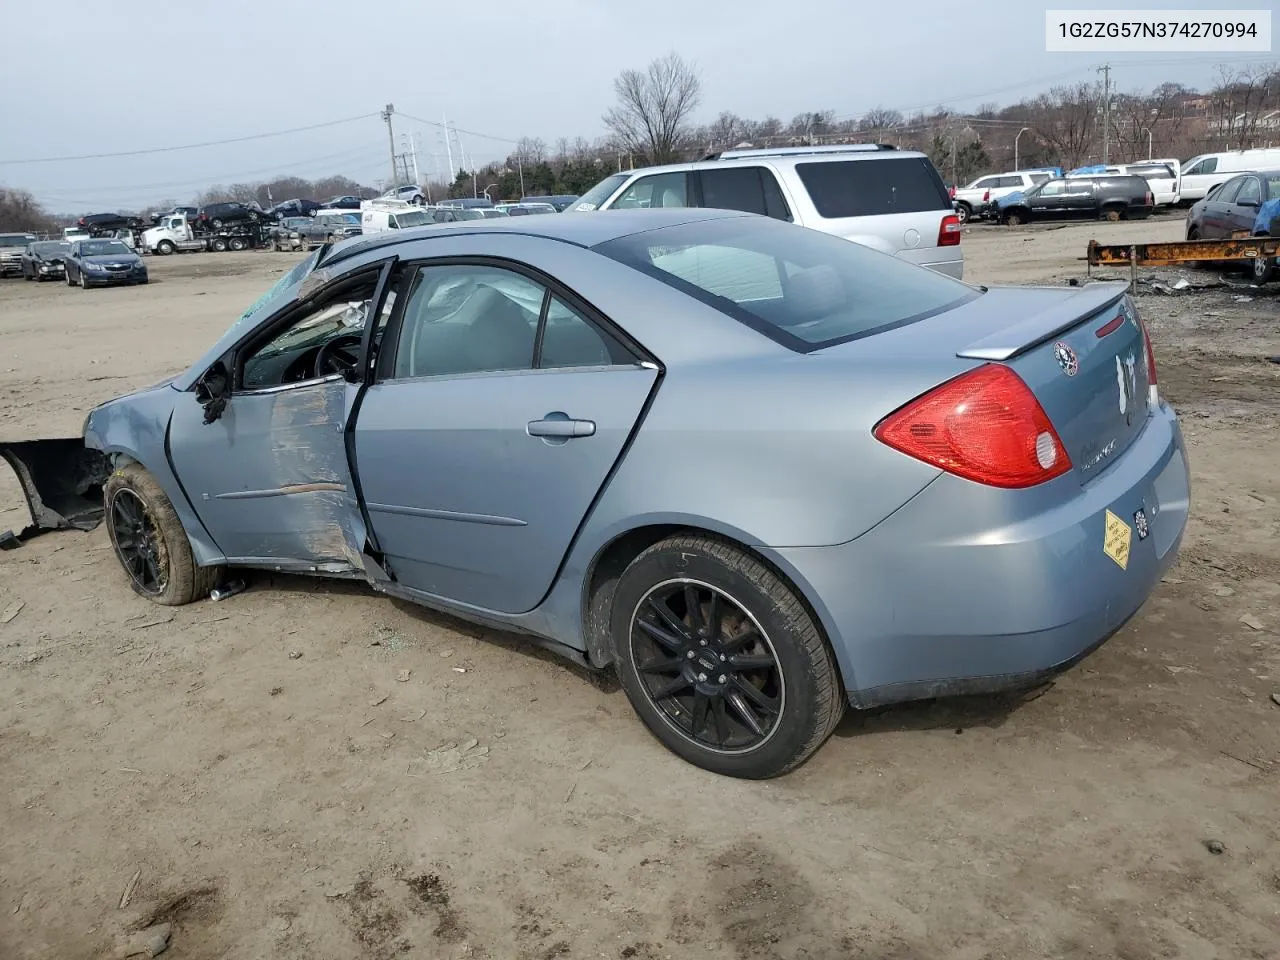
column 44, row 260
column 328, row 227
column 976, row 199
column 891, row 200
column 1161, row 175
column 1247, row 203
column 72, row 234
column 95, row 263
column 347, row 202
column 524, row 209
column 218, row 215
column 1201, row 174
column 287, row 234
column 294, row 208
column 453, row 214
column 561, row 202
column 12, row 246
column 387, row 213
column 744, row 599
column 410, row 193
column 1105, row 197
column 467, row 203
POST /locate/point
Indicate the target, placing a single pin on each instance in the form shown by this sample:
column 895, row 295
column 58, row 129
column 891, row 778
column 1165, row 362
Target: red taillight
column 949, row 231
column 951, row 192
column 986, row 196
column 985, row 425
column 80, row 221
column 1151, row 200
column 1153, row 398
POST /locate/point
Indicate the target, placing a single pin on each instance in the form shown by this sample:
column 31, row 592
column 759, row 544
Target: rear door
column 889, row 203
column 1216, row 222
column 496, row 417
column 1241, row 214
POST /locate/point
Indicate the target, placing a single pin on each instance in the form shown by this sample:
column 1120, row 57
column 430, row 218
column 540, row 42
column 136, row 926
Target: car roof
column 755, row 160
column 580, row 229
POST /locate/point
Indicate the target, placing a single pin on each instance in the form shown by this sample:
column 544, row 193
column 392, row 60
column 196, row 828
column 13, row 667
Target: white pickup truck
column 978, row 198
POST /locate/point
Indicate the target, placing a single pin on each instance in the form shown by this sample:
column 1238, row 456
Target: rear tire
column 149, row 540
column 964, row 212
column 236, row 243
column 218, row 245
column 776, row 664
column 1111, row 214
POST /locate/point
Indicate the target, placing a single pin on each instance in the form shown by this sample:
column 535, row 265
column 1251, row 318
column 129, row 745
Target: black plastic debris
column 61, row 481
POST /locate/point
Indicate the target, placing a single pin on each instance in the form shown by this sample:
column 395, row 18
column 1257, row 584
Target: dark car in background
column 342, row 203
column 218, row 215
column 98, row 263
column 328, row 228
column 97, row 223
column 287, row 234
column 454, row 214
column 1101, row 197
column 45, row 260
column 1247, row 203
column 561, row 202
column 294, row 208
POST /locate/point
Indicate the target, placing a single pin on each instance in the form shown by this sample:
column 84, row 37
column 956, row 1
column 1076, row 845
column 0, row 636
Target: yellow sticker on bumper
column 1115, row 540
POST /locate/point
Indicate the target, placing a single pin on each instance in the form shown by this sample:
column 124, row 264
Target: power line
column 192, row 146
column 456, row 129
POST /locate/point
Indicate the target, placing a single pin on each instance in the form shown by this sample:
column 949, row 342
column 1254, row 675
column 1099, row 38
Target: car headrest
column 814, row 292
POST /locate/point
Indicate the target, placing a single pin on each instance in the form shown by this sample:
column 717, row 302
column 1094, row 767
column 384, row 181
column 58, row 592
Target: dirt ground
column 314, row 806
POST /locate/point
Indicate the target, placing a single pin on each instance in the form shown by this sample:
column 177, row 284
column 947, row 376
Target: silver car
column 887, row 199
column 761, row 472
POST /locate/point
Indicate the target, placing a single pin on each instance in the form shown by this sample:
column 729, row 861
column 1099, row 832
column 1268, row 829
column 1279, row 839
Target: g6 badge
column 1066, row 358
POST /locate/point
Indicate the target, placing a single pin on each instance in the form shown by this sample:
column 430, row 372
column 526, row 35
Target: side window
column 775, row 204
column 986, row 183
column 659, row 190
column 332, row 328
column 1055, row 189
column 571, row 340
column 1009, row 182
column 468, row 319
column 1040, row 177
column 1229, row 190
column 1207, row 165
column 1250, row 191
column 733, row 188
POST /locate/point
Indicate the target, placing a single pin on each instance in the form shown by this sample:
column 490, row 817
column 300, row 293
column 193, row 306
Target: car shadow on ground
column 603, row 680
column 988, row 711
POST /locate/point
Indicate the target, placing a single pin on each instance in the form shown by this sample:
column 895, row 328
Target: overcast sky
column 93, row 78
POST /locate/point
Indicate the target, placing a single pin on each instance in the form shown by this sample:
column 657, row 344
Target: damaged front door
column 267, row 469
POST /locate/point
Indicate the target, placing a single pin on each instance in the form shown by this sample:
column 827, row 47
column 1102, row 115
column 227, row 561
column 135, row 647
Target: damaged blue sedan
column 762, row 472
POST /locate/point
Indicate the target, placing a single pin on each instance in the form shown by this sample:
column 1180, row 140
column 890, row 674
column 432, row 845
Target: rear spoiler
column 1036, row 329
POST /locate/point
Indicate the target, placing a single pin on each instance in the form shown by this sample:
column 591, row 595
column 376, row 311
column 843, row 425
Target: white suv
column 890, row 200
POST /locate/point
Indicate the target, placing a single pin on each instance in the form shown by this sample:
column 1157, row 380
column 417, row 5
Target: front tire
column 84, row 283
column 721, row 660
column 149, row 541
column 1013, row 219
column 164, row 248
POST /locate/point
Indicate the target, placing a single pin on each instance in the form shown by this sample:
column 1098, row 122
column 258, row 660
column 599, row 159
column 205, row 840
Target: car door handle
column 561, row 427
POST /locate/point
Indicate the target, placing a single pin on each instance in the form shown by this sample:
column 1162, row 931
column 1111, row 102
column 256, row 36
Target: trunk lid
column 1081, row 352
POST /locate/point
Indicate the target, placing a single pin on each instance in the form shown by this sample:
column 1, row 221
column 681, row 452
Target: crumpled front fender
column 61, row 481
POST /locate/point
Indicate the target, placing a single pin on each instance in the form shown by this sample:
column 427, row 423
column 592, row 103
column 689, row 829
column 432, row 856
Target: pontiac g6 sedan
column 761, row 471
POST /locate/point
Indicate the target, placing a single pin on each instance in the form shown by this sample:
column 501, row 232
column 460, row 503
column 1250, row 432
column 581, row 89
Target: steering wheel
column 339, row 355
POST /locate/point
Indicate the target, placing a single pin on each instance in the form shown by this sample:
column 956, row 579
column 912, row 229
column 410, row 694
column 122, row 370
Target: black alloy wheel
column 707, row 666
column 139, row 544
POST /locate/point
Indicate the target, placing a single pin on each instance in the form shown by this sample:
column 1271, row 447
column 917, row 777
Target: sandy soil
column 316, row 807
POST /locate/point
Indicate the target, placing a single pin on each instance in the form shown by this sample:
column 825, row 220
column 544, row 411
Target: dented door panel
column 270, row 478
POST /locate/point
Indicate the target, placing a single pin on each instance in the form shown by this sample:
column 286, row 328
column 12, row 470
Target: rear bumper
column 967, row 589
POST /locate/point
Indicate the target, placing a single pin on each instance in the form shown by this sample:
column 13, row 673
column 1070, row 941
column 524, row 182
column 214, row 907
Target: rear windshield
column 799, row 287
column 867, row 188
column 1156, row 171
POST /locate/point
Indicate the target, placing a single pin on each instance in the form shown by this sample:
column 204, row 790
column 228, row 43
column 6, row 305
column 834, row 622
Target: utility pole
column 391, row 138
column 1105, row 70
column 448, row 149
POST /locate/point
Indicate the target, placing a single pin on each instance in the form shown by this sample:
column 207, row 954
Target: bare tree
column 880, row 120
column 654, row 106
column 1240, row 101
column 19, row 212
column 1066, row 119
column 531, row 150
